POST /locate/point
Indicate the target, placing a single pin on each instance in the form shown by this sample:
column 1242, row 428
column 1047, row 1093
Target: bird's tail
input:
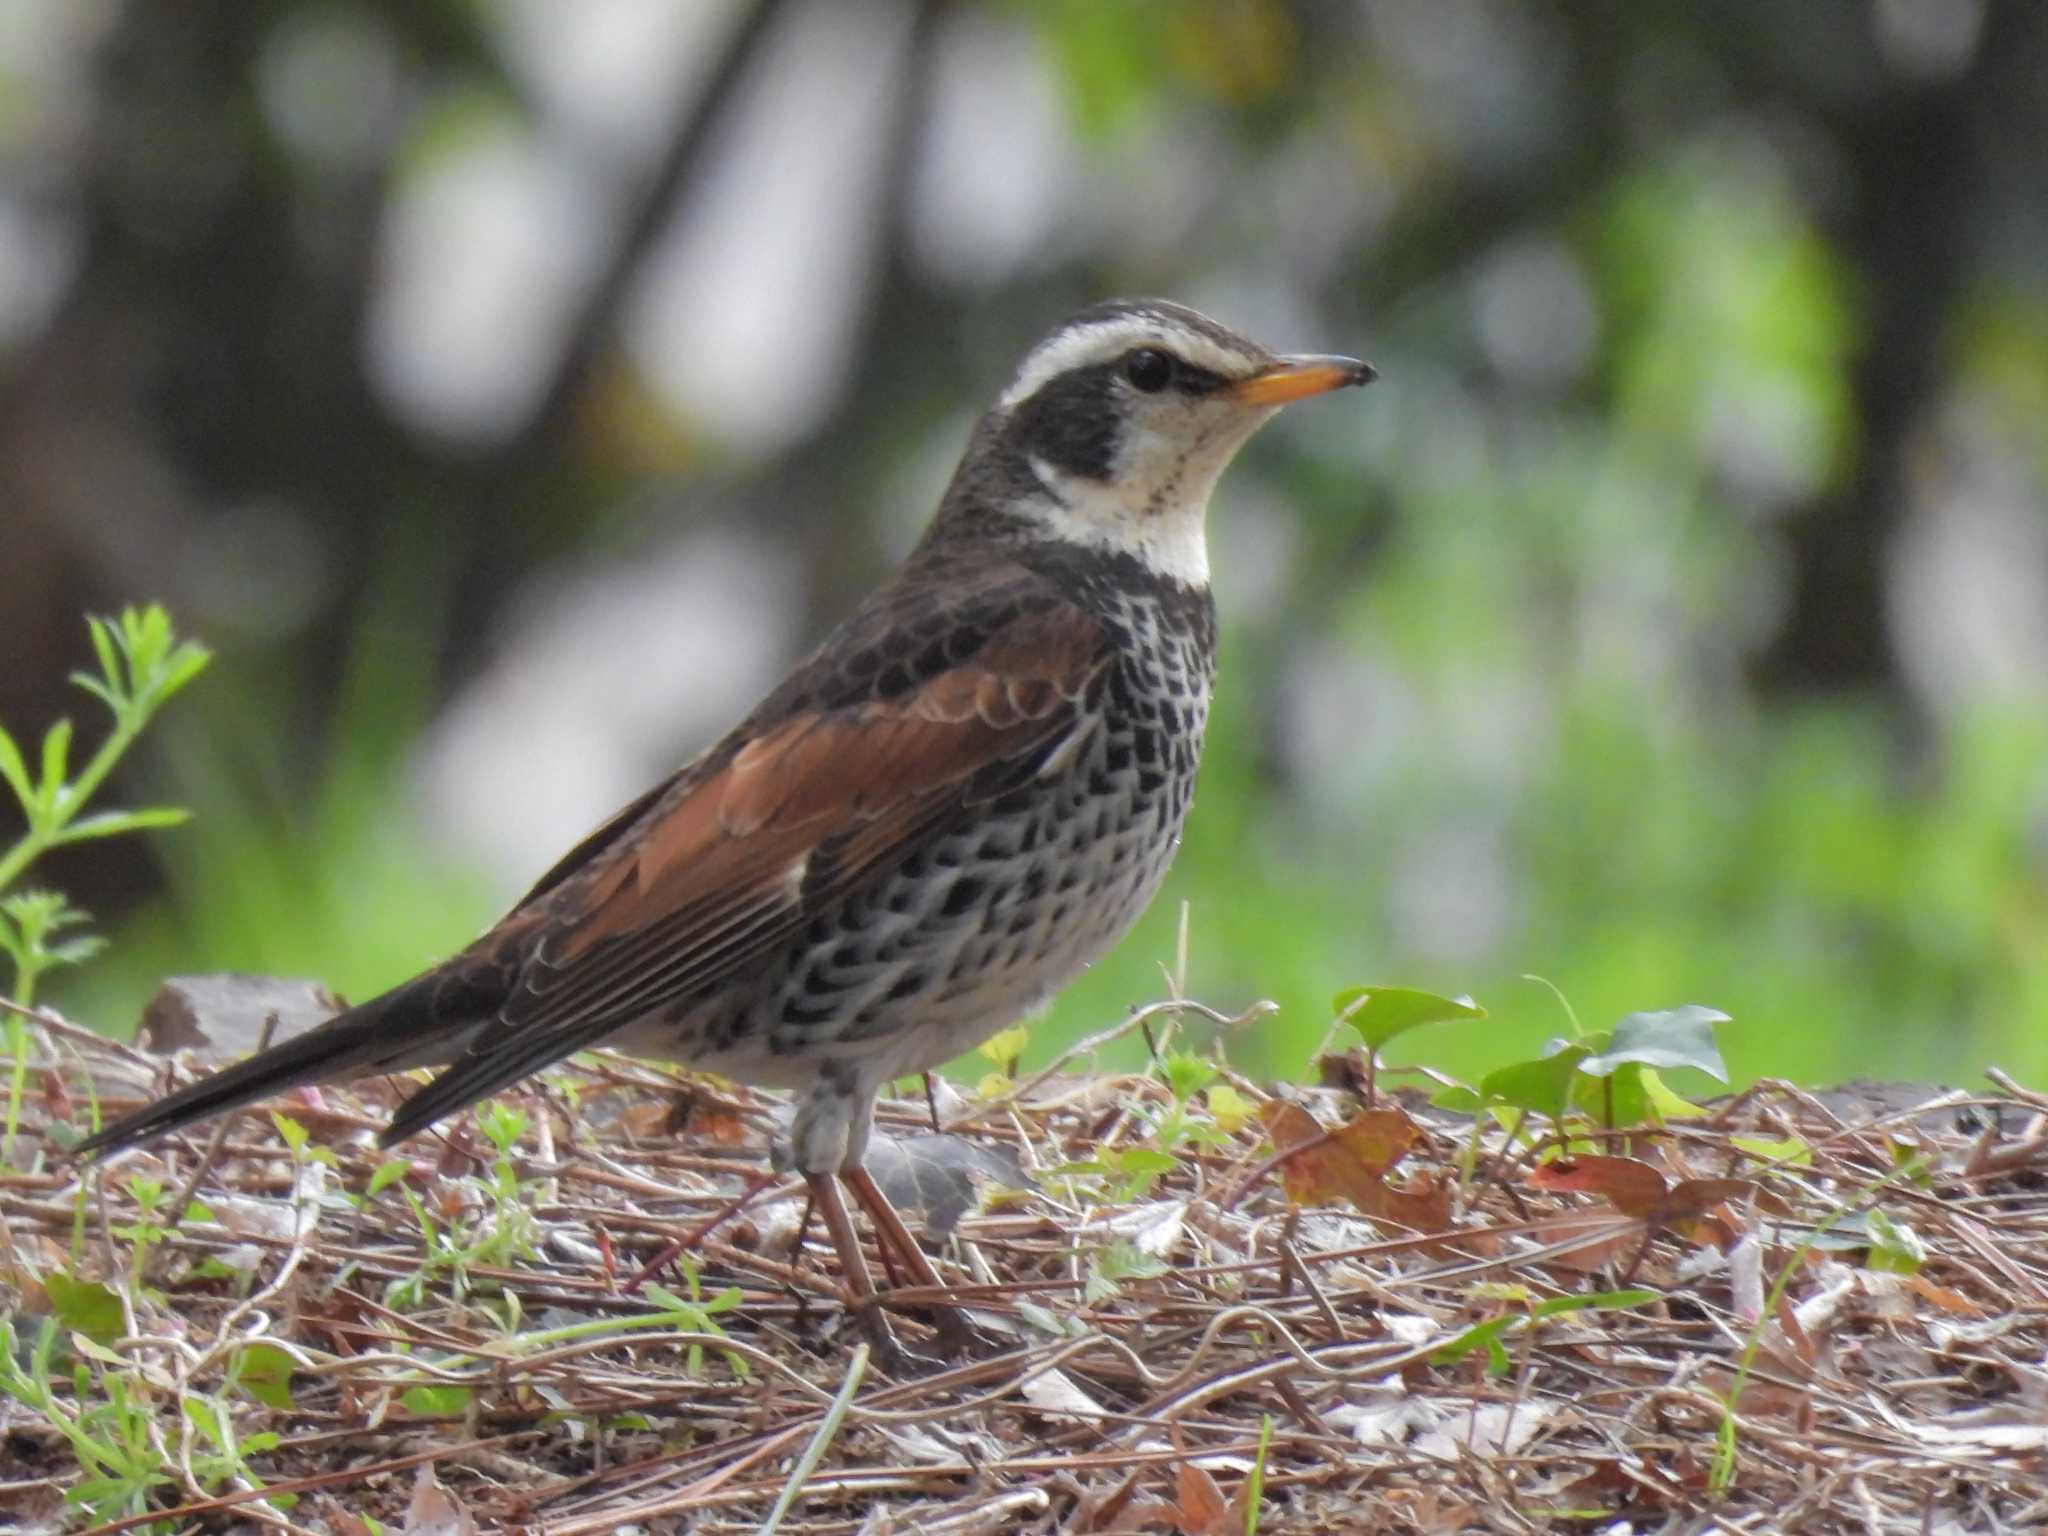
column 400, row 1029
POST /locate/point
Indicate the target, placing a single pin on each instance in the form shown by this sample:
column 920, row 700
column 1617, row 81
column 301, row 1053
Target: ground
column 1198, row 1304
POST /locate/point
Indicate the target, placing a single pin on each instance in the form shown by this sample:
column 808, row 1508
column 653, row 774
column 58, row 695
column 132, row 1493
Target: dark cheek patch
column 1072, row 423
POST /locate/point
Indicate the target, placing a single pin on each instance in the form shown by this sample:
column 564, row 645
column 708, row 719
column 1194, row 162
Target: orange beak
column 1298, row 377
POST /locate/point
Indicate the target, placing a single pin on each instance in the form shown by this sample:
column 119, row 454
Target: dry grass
column 1144, row 1355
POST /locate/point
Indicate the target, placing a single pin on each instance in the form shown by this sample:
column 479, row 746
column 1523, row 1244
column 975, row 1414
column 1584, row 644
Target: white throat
column 1168, row 538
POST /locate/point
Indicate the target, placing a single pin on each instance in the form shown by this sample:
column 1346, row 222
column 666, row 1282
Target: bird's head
column 1116, row 427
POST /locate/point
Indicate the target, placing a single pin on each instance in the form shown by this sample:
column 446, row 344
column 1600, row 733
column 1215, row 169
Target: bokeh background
column 508, row 391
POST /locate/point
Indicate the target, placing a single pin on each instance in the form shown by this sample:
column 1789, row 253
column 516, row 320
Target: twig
column 828, row 1429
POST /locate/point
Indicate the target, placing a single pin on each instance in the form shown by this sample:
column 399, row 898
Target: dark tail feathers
column 389, row 1033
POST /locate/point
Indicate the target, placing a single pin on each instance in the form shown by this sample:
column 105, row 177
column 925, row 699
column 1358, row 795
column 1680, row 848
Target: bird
column 965, row 795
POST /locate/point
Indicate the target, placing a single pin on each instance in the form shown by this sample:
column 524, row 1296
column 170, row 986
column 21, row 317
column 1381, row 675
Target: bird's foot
column 890, row 1353
column 957, row 1336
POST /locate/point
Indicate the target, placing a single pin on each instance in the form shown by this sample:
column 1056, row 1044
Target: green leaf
column 84, row 1306
column 15, row 771
column 1677, row 1037
column 205, row 1417
column 1458, row 1099
column 75, row 951
column 56, row 763
column 100, row 691
column 1188, row 1074
column 103, row 647
column 294, row 1134
column 668, row 1300
column 185, row 663
column 1488, row 1335
column 1142, row 1160
column 114, row 823
column 1004, row 1047
column 264, row 1371
column 724, row 1301
column 1665, row 1102
column 388, row 1173
column 1895, row 1248
column 436, row 1402
column 1793, row 1150
column 1542, row 1086
column 1381, row 1013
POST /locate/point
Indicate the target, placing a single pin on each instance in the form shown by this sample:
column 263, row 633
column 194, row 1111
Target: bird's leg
column 860, row 1284
column 897, row 1243
column 956, row 1335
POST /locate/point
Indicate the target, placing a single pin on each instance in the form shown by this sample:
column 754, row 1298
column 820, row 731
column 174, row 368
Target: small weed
column 486, row 1222
column 108, row 1420
column 141, row 666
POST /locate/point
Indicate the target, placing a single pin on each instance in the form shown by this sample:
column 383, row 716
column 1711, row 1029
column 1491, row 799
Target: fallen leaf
column 1350, row 1163
column 1200, row 1509
column 434, row 1511
column 941, row 1174
column 1941, row 1296
column 1054, row 1392
column 1629, row 1184
column 1636, row 1188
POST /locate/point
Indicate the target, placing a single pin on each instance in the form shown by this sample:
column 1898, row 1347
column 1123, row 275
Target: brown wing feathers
column 798, row 816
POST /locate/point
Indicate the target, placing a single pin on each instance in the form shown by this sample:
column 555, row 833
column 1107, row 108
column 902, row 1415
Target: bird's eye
column 1149, row 370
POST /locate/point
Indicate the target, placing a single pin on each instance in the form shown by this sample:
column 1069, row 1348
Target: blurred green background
column 507, row 391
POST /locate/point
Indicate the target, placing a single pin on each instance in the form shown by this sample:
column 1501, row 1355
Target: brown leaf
column 1942, row 1297
column 434, row 1511
column 1201, row 1509
column 1689, row 1208
column 1423, row 1203
column 1347, row 1163
column 712, row 1121
column 1101, row 1509
column 1350, row 1163
column 1631, row 1185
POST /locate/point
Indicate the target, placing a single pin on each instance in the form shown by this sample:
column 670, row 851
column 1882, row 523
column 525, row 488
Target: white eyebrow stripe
column 1084, row 345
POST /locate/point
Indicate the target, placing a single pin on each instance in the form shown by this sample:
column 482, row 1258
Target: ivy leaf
column 84, row 1306
column 1676, row 1037
column 1542, row 1086
column 266, row 1375
column 1381, row 1013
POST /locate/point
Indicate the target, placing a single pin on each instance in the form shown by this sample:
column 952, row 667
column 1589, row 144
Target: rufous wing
column 799, row 815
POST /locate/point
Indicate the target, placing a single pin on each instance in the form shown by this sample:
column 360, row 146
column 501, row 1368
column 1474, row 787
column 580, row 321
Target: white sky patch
column 745, row 317
column 616, row 73
column 484, row 252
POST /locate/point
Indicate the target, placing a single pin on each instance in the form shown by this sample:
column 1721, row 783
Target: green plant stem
column 40, row 840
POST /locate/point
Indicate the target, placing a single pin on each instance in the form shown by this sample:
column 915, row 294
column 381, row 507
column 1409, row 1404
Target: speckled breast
column 987, row 922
